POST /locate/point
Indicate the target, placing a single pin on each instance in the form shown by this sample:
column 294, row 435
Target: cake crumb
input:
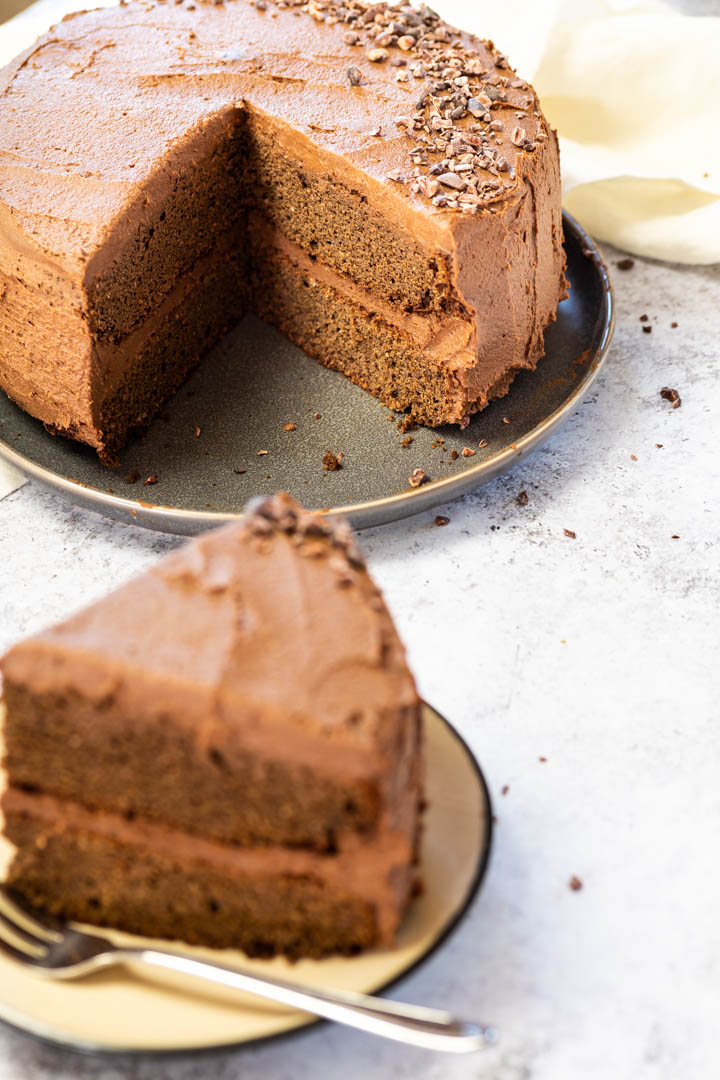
column 151, row 479
column 441, row 520
column 643, row 318
column 240, row 471
column 633, row 457
column 467, row 451
column 625, row 264
column 482, row 444
column 407, row 441
column 263, row 453
column 288, row 427
column 132, row 478
column 658, row 446
column 196, row 433
column 675, row 536
column 405, row 424
column 506, row 420
column 647, row 329
column 672, row 396
column 674, row 325
column 354, row 75
column 522, row 498
column 454, row 455
column 317, row 416
column 569, row 533
column 331, row 462
column 575, row 883
column 418, row 478
column 542, row 759
column 504, row 790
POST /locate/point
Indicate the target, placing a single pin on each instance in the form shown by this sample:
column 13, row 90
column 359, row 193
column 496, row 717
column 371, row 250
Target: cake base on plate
column 142, row 1012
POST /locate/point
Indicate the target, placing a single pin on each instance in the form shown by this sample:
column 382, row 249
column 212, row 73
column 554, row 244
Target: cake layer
column 416, row 361
column 150, row 880
column 221, row 788
column 251, row 688
column 295, row 188
column 161, row 353
column 183, row 214
column 420, row 168
column 129, row 381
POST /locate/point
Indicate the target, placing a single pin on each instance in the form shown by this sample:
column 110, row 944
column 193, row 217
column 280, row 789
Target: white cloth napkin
column 633, row 89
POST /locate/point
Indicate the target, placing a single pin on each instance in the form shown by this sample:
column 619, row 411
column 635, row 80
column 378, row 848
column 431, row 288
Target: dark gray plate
column 256, row 381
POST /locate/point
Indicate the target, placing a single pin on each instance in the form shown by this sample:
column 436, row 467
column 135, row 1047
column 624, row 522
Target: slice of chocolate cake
column 226, row 750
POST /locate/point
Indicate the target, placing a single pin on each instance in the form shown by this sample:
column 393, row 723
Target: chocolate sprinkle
column 455, row 118
column 418, row 478
column 331, row 462
column 672, row 396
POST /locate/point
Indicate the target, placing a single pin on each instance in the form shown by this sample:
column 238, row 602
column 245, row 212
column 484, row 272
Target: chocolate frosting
column 100, row 114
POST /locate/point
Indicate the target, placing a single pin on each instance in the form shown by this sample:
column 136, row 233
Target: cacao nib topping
column 456, row 160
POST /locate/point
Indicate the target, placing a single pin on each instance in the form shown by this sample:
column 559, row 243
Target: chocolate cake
column 377, row 184
column 227, row 750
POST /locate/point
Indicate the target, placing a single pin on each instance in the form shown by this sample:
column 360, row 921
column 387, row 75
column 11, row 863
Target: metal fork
column 57, row 950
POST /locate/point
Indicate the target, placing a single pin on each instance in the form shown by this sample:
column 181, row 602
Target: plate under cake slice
column 379, row 185
column 227, row 750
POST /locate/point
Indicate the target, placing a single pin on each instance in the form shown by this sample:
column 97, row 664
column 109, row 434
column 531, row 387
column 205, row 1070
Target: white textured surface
column 599, row 653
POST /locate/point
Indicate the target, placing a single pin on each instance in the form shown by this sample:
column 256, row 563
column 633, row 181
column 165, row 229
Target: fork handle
column 411, row 1024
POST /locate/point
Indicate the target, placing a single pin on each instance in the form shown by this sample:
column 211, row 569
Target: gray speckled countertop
column 598, row 653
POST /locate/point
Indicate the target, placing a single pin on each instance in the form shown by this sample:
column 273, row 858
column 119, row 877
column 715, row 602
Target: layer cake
column 227, row 750
column 377, row 184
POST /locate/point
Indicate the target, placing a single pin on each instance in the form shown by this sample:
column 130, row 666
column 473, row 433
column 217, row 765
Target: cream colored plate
column 140, row 1011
